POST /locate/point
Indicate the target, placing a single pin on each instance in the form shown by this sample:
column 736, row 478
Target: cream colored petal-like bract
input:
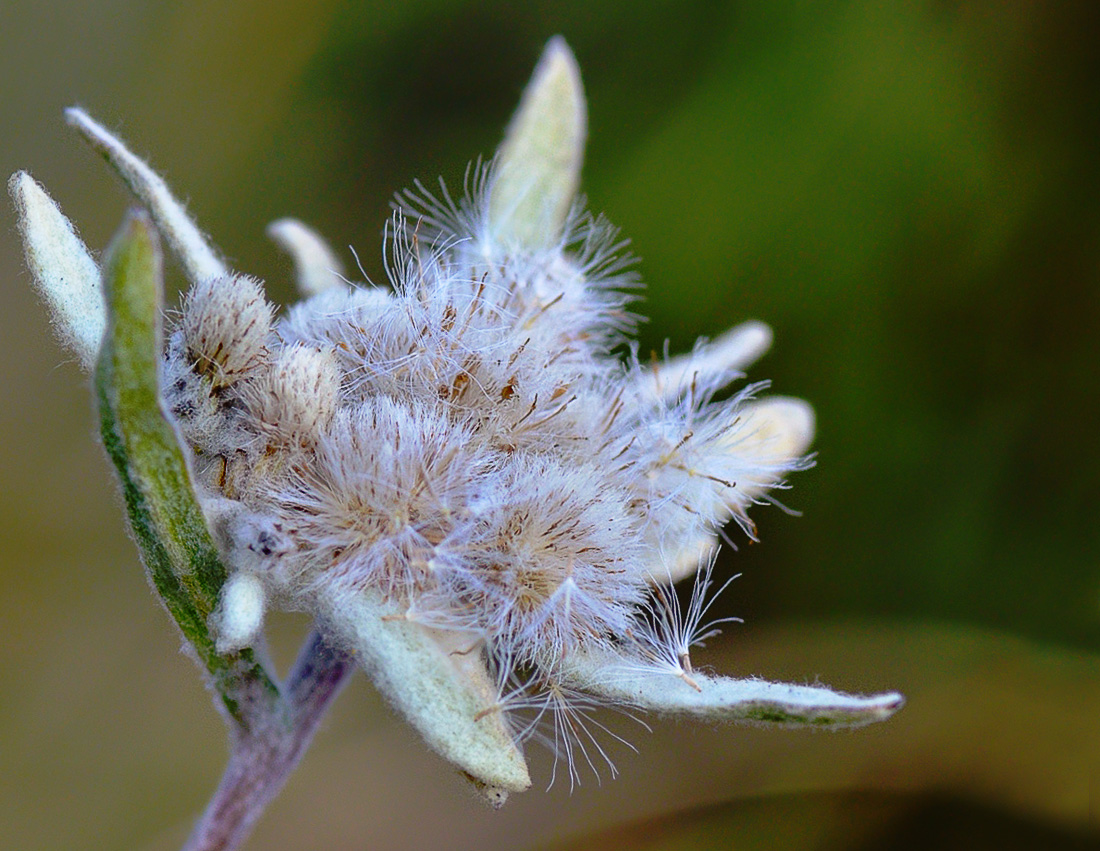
column 776, row 429
column 439, row 684
column 721, row 358
column 199, row 260
column 539, row 163
column 64, row 272
column 316, row 266
column 724, row 698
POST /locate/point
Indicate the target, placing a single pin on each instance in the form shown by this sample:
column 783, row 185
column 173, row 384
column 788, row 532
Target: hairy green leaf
column 140, row 439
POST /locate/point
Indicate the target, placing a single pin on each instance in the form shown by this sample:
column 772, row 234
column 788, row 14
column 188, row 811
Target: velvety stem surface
column 266, row 751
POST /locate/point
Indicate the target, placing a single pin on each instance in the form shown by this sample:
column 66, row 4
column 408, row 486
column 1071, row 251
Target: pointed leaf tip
column 753, row 701
column 198, row 258
column 539, row 163
column 316, row 266
column 64, row 272
column 132, row 289
column 441, row 687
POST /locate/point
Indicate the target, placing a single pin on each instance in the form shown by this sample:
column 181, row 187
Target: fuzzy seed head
column 226, row 325
column 478, row 451
column 472, row 446
column 296, row 396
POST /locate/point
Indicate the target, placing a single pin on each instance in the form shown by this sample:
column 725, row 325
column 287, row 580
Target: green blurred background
column 907, row 191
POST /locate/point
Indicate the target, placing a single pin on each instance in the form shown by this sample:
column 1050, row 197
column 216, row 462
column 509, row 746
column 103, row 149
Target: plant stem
column 264, row 752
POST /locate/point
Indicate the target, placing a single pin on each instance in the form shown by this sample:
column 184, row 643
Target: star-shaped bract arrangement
column 469, row 477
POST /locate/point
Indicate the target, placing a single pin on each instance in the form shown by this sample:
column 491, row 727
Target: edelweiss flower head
column 470, row 477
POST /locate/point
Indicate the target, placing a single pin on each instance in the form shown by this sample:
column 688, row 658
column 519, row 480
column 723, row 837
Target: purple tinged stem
column 264, row 755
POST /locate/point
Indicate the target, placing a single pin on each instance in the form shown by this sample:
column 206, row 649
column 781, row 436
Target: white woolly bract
column 198, row 258
column 240, row 613
column 317, row 268
column 619, row 680
column 439, row 685
column 64, row 272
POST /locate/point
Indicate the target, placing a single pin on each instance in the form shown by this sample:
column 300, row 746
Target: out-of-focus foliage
column 908, row 192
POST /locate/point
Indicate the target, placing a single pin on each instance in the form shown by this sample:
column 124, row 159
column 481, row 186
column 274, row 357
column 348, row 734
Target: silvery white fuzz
column 471, row 478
